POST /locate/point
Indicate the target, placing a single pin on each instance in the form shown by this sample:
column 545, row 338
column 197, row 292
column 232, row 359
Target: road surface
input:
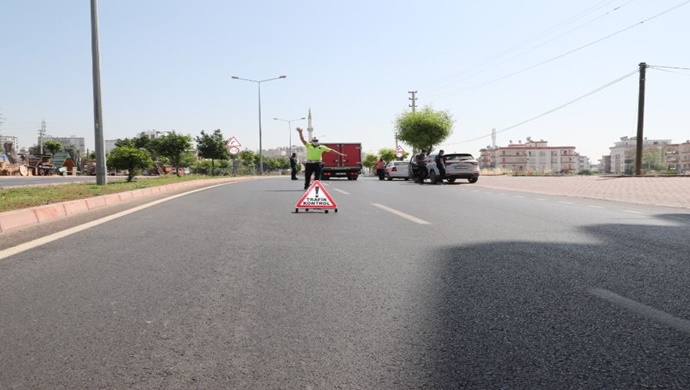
column 406, row 286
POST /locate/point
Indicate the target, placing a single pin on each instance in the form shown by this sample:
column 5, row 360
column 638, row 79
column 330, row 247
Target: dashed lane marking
column 401, row 214
column 341, row 191
column 642, row 309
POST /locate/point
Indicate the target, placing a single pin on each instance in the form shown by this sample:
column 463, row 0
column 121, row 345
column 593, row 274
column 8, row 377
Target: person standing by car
column 441, row 166
column 420, row 170
column 380, row 168
column 314, row 164
column 293, row 166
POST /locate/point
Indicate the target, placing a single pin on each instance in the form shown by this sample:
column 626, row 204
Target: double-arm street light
column 258, row 83
column 289, row 121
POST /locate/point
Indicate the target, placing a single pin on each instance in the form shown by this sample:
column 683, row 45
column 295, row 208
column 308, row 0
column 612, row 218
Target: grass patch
column 25, row 197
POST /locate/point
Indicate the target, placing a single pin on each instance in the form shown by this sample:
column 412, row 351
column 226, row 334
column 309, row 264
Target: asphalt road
column 406, row 286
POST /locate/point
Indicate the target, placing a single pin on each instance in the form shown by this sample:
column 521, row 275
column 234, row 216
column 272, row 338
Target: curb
column 17, row 219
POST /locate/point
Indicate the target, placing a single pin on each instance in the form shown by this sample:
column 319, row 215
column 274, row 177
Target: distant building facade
column 9, row 138
column 623, row 153
column 110, row 145
column 78, row 142
column 534, row 156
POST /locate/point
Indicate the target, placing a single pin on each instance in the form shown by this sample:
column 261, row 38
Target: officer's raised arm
column 301, row 137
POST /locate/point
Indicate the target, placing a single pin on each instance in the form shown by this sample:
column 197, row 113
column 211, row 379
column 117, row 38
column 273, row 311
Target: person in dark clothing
column 441, row 165
column 293, row 166
column 420, row 170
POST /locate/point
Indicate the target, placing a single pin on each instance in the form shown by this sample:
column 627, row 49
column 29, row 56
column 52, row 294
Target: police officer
column 314, row 163
column 293, row 166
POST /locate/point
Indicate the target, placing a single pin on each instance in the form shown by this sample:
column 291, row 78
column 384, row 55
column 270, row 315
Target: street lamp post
column 258, row 83
column 289, row 121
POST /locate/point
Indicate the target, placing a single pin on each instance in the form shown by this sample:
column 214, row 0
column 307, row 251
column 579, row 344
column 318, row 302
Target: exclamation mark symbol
column 317, row 191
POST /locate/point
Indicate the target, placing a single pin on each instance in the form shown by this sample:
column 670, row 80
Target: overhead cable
column 580, row 48
column 554, row 109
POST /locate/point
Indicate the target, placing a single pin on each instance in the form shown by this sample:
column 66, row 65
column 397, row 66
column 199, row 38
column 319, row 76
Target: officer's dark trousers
column 309, row 169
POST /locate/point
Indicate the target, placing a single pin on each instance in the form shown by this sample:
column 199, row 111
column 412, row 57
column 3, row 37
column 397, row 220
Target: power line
column 552, row 110
column 577, row 49
column 667, row 67
column 538, row 36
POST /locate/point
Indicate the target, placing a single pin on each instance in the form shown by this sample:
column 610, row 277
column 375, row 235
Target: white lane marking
column 5, row 253
column 401, row 214
column 633, row 211
column 642, row 309
column 341, row 191
column 542, row 199
column 564, row 202
column 518, row 196
column 596, row 207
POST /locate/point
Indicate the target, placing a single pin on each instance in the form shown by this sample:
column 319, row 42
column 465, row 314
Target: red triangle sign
column 316, row 197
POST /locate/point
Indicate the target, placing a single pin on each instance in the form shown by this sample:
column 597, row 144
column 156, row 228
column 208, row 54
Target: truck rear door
column 330, row 159
column 354, row 154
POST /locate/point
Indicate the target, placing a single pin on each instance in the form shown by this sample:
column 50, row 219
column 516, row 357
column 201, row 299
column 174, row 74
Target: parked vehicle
column 419, row 172
column 349, row 166
column 458, row 166
column 397, row 170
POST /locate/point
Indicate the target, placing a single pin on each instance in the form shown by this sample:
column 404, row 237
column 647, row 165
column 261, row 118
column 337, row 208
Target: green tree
column 276, row 163
column 424, row 129
column 131, row 159
column 212, row 146
column 172, row 146
column 370, row 160
column 52, row 147
column 387, row 154
column 141, row 142
column 651, row 160
column 73, row 151
column 248, row 158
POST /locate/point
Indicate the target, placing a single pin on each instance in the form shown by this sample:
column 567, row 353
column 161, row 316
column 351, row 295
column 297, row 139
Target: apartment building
column 677, row 157
column 78, row 142
column 623, row 153
column 533, row 156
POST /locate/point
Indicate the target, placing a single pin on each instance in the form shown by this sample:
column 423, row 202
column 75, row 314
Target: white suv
column 458, row 166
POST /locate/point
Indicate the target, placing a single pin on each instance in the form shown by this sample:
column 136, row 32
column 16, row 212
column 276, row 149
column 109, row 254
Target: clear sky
column 166, row 65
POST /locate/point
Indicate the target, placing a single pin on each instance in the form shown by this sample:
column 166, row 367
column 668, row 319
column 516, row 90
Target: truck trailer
column 349, row 166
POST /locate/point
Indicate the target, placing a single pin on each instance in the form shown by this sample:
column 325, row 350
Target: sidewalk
column 658, row 191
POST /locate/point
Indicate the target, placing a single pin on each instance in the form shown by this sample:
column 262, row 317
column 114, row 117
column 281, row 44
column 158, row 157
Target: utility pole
column 101, row 178
column 640, row 120
column 41, row 133
column 414, row 100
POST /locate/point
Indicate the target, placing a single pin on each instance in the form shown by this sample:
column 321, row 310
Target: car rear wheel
column 452, row 180
column 389, row 178
column 473, row 179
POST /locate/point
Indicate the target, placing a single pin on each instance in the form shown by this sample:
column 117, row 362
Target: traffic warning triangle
column 316, row 197
column 233, row 142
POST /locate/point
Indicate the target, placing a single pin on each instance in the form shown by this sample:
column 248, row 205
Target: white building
column 534, row 156
column 623, row 153
column 78, row 142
